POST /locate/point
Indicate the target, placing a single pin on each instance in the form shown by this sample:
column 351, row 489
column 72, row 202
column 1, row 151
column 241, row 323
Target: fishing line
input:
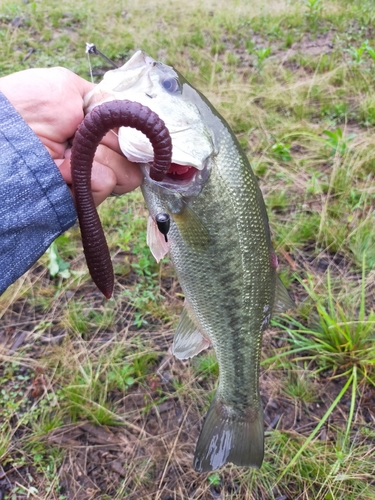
column 92, row 49
column 88, row 52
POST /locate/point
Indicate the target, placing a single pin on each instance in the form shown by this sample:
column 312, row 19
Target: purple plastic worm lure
column 92, row 129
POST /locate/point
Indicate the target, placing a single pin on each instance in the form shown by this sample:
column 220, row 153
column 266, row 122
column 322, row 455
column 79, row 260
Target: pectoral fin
column 188, row 341
column 156, row 241
column 283, row 302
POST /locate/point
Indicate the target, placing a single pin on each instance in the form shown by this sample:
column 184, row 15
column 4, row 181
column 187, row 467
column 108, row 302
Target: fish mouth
column 184, row 179
column 179, row 173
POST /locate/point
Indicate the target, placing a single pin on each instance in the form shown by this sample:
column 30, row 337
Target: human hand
column 51, row 102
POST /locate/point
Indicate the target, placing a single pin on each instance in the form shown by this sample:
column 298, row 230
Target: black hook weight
column 163, row 221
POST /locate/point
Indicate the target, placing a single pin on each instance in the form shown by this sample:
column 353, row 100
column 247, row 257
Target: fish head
column 167, row 93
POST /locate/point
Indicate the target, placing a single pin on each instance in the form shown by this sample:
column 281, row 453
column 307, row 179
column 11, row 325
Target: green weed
column 281, row 151
column 337, row 141
column 121, row 377
column 214, row 479
column 206, row 365
column 342, row 340
column 313, row 12
column 57, row 266
column 261, row 54
column 299, row 386
column 357, row 53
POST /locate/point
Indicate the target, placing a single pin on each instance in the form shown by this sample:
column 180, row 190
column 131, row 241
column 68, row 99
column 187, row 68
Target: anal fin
column 283, row 301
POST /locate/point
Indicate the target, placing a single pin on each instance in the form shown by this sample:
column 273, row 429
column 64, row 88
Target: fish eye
column 171, row 85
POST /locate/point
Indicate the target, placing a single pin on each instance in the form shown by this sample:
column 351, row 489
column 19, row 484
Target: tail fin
column 230, row 436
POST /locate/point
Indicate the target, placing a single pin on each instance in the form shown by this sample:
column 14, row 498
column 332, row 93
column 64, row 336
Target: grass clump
column 340, row 338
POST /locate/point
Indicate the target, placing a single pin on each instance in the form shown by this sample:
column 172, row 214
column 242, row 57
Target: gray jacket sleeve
column 35, row 203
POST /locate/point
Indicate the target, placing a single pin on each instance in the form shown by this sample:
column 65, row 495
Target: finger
column 64, row 167
column 103, row 179
column 122, row 177
column 56, row 150
column 103, row 182
column 111, row 140
column 83, row 85
column 128, row 175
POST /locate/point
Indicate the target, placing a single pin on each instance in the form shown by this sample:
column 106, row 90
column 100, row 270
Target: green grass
column 295, row 80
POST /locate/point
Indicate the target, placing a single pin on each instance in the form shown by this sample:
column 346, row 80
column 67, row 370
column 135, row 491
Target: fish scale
column 229, row 286
column 239, row 253
column 219, row 242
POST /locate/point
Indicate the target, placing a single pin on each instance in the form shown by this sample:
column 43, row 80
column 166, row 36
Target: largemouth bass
column 219, row 242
